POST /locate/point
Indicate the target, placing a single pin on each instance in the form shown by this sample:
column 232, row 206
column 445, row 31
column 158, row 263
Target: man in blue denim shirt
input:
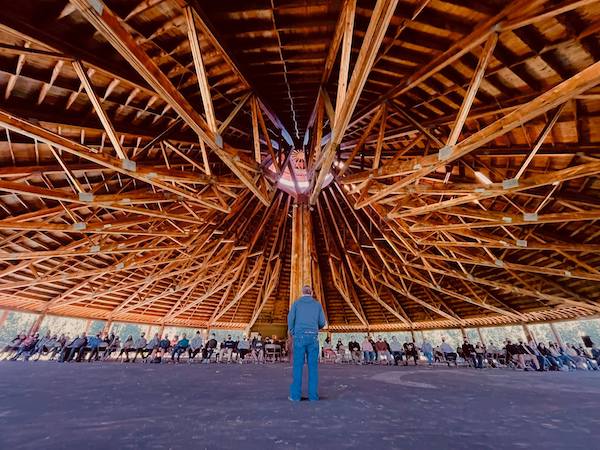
column 305, row 319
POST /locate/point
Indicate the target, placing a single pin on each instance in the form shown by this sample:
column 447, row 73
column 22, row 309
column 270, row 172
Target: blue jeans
column 369, row 356
column 429, row 357
column 306, row 347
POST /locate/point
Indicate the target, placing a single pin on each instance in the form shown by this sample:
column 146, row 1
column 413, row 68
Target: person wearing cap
column 305, row 319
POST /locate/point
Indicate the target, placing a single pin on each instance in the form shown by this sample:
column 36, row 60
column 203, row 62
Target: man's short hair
column 306, row 290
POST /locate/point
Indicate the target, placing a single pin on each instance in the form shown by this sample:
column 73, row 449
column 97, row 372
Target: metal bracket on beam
column 445, row 153
column 521, row 243
column 97, row 6
column 530, row 217
column 79, row 226
column 128, row 164
column 510, row 183
column 86, row 197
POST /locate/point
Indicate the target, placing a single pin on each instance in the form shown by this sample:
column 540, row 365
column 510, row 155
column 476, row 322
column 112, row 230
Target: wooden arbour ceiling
column 141, row 144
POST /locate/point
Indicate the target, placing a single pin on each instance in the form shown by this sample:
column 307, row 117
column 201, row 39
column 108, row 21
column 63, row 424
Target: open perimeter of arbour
column 422, row 164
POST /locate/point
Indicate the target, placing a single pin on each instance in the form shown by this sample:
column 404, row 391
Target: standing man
column 305, row 319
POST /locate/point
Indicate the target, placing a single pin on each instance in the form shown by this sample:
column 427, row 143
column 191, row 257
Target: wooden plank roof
column 140, row 171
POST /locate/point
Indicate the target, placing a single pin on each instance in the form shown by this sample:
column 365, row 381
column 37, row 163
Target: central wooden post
column 302, row 238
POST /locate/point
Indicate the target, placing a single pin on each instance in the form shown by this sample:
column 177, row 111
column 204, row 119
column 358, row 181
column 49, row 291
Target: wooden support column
column 480, row 336
column 107, row 327
column 88, row 324
column 463, row 333
column 556, row 334
column 528, row 335
column 161, row 330
column 38, row 322
column 3, row 317
column 301, row 244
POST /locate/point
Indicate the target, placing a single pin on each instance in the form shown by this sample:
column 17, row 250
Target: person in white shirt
column 195, row 346
column 139, row 345
column 243, row 348
column 449, row 353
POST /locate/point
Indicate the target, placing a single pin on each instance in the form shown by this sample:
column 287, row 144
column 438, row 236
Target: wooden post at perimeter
column 38, row 322
column 480, row 336
column 3, row 317
column 556, row 334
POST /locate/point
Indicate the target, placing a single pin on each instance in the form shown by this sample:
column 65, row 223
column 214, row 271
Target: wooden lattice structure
column 421, row 163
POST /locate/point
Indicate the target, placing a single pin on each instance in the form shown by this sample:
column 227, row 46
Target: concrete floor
column 46, row 405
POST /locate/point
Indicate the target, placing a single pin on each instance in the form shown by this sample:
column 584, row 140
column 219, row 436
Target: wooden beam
column 380, row 19
column 465, row 107
column 111, row 28
column 540, row 140
column 423, row 166
column 194, row 40
column 106, row 123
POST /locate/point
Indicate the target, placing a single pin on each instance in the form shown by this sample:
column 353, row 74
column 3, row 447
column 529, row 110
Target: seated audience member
column 149, row 348
column 72, row 348
column 46, row 346
column 163, row 347
column 545, row 352
column 126, row 348
column 367, row 349
column 560, row 356
column 113, row 343
column 243, row 348
column 479, row 355
column 448, row 352
column 410, row 350
column 591, row 362
column 354, row 348
column 543, row 362
column 61, row 342
column 139, row 346
column 341, row 352
column 227, row 347
column 14, row 344
column 195, row 346
column 180, row 347
column 26, row 347
column 375, row 357
column 338, row 345
column 209, row 348
column 438, row 356
column 173, row 342
column 525, row 353
column 577, row 357
column 512, row 353
column 468, row 353
column 396, row 350
column 492, row 352
column 258, row 349
column 94, row 346
column 382, row 351
column 41, row 345
column 328, row 352
column 427, row 350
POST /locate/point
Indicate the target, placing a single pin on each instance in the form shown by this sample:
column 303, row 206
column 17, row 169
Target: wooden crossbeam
column 109, row 26
column 106, row 123
column 380, row 19
column 423, row 166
